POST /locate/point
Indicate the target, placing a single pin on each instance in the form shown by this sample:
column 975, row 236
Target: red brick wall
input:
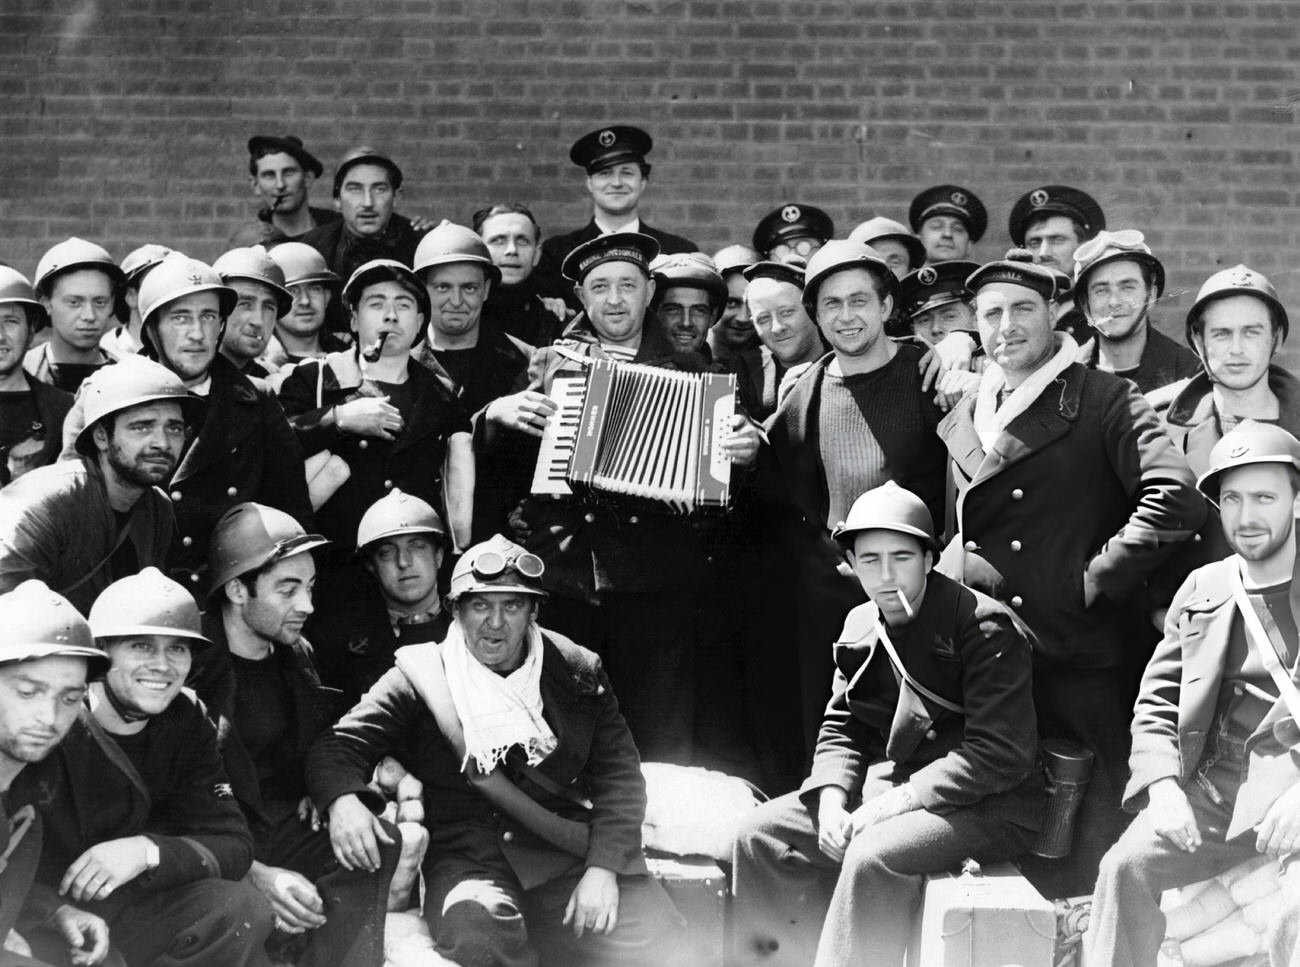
column 125, row 121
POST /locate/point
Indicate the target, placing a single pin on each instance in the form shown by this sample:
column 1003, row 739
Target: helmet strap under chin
column 126, row 715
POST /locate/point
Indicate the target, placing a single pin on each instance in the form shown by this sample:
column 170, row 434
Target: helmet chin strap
column 129, row 716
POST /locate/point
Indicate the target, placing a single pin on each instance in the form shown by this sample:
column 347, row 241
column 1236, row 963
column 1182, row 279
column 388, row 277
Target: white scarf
column 498, row 711
column 991, row 419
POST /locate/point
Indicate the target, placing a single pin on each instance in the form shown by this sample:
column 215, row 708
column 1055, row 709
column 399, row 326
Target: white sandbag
column 408, row 943
column 1212, row 905
column 693, row 811
column 1224, row 941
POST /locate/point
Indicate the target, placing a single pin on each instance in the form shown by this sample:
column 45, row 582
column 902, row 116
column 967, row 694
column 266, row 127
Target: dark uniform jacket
column 505, row 357
column 551, row 281
column 313, row 707
column 412, row 463
column 1083, row 493
column 345, row 252
column 180, row 799
column 1176, row 707
column 592, row 547
column 1163, row 363
column 52, row 405
column 244, row 451
column 595, row 757
column 519, row 311
column 967, row 648
column 56, row 524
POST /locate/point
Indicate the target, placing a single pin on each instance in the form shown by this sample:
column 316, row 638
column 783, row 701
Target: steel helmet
column 133, row 381
column 398, row 513
column 735, row 258
column 386, row 270
column 497, row 564
column 1238, row 280
column 1125, row 245
column 139, row 261
column 838, row 255
column 693, row 270
column 449, row 243
column 249, row 536
column 14, row 287
column 177, row 276
column 35, row 622
column 366, row 156
column 252, row 264
column 75, row 253
column 301, row 263
column 148, row 603
column 888, row 507
column 1248, row 442
column 886, row 229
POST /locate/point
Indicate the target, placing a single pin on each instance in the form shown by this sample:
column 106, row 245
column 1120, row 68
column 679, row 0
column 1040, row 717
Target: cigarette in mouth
column 906, row 607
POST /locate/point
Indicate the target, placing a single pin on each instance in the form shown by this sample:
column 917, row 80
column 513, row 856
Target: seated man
column 261, row 689
column 540, row 853
column 141, row 827
column 926, row 757
column 47, row 653
column 1214, row 729
column 401, row 541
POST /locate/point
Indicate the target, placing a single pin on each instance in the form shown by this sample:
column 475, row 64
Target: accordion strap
column 583, row 359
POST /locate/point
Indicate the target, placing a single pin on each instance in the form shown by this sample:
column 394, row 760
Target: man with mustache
column 1116, row 283
column 141, row 826
column 367, row 185
column 81, row 524
column 1040, row 426
column 80, row 287
column 617, row 176
column 1215, row 733
column 244, row 449
column 261, row 689
column 31, row 411
column 261, row 299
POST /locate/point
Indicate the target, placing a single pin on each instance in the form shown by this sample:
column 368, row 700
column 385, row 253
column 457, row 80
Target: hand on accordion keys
column 528, row 411
column 742, row 442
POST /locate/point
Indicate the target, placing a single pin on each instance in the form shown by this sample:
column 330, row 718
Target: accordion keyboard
column 559, row 436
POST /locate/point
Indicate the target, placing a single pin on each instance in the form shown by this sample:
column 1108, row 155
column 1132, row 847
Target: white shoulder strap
column 1259, row 639
column 907, row 676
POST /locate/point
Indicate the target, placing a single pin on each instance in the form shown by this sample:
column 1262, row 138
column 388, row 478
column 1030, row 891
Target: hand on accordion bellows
column 369, row 416
column 528, row 411
column 742, row 442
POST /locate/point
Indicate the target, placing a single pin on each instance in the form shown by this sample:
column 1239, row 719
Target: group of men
column 966, row 501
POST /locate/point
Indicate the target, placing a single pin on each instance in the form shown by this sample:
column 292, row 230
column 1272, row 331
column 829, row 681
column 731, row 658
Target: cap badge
column 1240, row 450
column 790, row 213
column 1242, row 276
column 1038, row 197
column 606, row 138
column 927, row 275
column 195, row 278
column 958, row 197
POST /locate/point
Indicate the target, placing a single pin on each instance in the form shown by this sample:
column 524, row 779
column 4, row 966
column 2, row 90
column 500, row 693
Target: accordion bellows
column 641, row 433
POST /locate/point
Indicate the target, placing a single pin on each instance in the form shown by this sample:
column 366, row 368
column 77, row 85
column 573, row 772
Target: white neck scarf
column 498, row 711
column 991, row 419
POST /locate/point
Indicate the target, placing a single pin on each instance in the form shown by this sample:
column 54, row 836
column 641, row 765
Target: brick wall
column 125, row 120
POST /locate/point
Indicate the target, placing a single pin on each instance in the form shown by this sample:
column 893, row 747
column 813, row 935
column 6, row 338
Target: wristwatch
column 152, row 857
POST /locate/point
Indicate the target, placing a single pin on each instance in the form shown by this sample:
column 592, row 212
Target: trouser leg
column 781, row 883
column 1126, row 925
column 208, row 923
column 646, row 935
column 475, row 914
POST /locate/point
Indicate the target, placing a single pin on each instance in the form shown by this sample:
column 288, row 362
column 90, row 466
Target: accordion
column 641, row 434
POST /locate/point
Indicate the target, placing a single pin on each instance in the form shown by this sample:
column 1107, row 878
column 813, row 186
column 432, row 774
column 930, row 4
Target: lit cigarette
column 906, row 607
